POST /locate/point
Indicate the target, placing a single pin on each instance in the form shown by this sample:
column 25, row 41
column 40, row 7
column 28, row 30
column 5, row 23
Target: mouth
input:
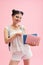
column 17, row 20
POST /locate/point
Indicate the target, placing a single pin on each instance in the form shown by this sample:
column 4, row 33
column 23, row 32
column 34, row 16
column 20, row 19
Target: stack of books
column 31, row 39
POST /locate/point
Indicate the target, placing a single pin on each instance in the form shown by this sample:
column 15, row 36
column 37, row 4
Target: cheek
column 20, row 20
column 13, row 19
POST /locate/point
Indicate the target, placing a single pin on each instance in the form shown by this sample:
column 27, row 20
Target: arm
column 7, row 40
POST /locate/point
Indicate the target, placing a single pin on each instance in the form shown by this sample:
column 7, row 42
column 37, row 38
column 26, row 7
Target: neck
column 15, row 25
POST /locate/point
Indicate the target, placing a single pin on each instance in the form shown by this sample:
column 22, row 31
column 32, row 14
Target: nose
column 19, row 19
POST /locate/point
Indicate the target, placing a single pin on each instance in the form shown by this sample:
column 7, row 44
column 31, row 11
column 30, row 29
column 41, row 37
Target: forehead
column 20, row 15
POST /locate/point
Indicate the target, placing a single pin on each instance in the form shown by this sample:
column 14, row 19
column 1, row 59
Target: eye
column 17, row 16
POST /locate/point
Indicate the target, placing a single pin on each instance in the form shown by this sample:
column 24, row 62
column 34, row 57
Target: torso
column 14, row 28
column 15, row 41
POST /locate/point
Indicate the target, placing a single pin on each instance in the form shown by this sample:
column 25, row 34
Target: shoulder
column 6, row 27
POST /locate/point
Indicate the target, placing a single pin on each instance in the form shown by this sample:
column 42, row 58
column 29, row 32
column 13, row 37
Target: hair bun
column 13, row 10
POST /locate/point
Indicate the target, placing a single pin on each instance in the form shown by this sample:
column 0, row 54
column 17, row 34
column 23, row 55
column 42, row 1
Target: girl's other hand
column 18, row 34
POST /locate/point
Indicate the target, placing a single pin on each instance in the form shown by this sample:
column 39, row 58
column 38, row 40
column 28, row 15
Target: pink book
column 31, row 39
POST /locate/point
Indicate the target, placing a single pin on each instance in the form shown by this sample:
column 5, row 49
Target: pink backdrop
column 33, row 21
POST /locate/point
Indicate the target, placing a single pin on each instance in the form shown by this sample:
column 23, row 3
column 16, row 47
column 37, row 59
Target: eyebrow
column 18, row 17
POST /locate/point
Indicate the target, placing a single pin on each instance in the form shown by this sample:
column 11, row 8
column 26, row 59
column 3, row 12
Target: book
column 31, row 39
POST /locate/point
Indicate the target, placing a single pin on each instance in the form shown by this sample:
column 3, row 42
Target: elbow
column 6, row 41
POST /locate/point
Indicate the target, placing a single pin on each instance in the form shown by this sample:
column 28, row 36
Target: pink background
column 33, row 22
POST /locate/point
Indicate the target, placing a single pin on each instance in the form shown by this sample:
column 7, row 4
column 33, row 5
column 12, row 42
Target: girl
column 17, row 48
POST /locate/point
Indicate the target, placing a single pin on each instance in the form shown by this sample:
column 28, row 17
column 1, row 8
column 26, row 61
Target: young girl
column 18, row 49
